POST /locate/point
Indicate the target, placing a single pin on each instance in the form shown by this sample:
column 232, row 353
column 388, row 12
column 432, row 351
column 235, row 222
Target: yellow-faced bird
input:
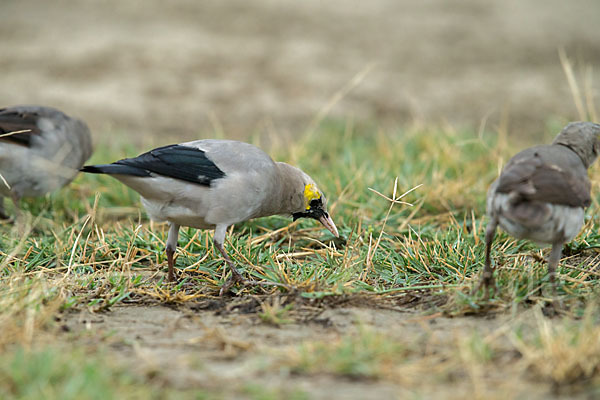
column 542, row 192
column 213, row 184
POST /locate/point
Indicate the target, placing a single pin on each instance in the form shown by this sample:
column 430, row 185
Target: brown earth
column 194, row 69
column 223, row 347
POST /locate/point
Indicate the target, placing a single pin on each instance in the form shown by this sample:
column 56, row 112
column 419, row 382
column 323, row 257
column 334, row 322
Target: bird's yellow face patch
column 310, row 193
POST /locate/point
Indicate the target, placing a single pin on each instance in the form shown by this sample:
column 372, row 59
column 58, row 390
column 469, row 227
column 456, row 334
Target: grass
column 90, row 246
column 365, row 355
column 52, row 374
column 94, row 236
column 57, row 373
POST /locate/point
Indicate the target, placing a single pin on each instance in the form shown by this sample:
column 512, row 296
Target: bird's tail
column 531, row 214
column 114, row 169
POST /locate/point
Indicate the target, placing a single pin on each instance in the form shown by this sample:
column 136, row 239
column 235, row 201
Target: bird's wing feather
column 15, row 119
column 174, row 161
column 535, row 180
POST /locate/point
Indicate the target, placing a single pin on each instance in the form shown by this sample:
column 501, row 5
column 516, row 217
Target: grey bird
column 41, row 150
column 542, row 193
column 213, row 184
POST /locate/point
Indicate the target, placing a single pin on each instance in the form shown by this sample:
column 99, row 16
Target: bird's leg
column 487, row 277
column 15, row 201
column 553, row 261
column 236, row 277
column 218, row 239
column 170, row 249
column 3, row 215
column 20, row 223
column 235, row 274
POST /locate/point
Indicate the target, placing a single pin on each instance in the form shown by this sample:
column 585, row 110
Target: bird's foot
column 487, row 281
column 235, row 278
column 249, row 282
column 8, row 220
column 554, row 307
column 5, row 217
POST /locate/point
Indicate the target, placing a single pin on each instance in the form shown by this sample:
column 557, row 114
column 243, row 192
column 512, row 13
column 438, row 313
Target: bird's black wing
column 175, row 161
column 533, row 179
column 15, row 120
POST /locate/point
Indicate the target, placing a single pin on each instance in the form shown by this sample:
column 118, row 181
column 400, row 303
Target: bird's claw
column 486, row 282
column 554, row 308
column 248, row 282
column 235, row 278
column 5, row 219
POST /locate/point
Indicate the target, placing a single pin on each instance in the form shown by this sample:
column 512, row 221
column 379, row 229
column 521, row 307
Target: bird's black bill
column 320, row 215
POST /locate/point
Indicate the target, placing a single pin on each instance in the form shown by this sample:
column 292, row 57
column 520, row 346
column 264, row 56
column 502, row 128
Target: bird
column 41, row 150
column 541, row 194
column 213, row 184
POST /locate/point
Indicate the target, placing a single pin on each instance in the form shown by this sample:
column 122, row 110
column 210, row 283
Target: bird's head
column 315, row 206
column 583, row 138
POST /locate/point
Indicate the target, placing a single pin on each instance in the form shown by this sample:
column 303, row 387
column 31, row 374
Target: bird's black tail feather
column 114, row 169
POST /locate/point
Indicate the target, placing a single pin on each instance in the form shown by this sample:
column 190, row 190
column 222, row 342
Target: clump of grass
column 58, row 374
column 61, row 373
column 366, row 354
column 564, row 353
column 275, row 313
column 29, row 305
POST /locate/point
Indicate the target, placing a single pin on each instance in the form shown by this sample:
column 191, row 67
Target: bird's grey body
column 542, row 192
column 556, row 223
column 46, row 156
column 232, row 182
column 256, row 186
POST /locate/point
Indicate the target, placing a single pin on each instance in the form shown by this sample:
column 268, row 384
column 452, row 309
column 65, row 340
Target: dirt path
column 229, row 351
column 193, row 68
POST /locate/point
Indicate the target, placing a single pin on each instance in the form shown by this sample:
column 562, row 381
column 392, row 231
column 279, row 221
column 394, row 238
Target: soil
column 223, row 346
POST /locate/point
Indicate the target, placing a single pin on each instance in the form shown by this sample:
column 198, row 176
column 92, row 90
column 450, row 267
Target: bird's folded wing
column 12, row 120
column 535, row 180
column 176, row 161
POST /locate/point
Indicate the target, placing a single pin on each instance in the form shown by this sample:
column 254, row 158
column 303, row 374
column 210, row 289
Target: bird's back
column 46, row 154
column 541, row 194
column 233, row 156
column 551, row 174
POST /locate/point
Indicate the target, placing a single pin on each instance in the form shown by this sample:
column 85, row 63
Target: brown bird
column 542, row 193
column 41, row 150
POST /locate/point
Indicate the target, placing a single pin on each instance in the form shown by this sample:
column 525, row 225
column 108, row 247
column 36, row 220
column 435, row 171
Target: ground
column 235, row 348
column 358, row 94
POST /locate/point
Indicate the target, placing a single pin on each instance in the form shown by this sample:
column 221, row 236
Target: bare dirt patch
column 229, row 350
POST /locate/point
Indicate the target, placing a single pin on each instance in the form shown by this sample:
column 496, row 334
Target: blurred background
column 193, row 69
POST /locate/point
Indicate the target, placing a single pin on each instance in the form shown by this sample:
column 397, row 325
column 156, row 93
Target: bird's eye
column 315, row 203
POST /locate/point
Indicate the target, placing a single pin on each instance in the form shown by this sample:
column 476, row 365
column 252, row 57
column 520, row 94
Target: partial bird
column 41, row 150
column 542, row 193
column 213, row 184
